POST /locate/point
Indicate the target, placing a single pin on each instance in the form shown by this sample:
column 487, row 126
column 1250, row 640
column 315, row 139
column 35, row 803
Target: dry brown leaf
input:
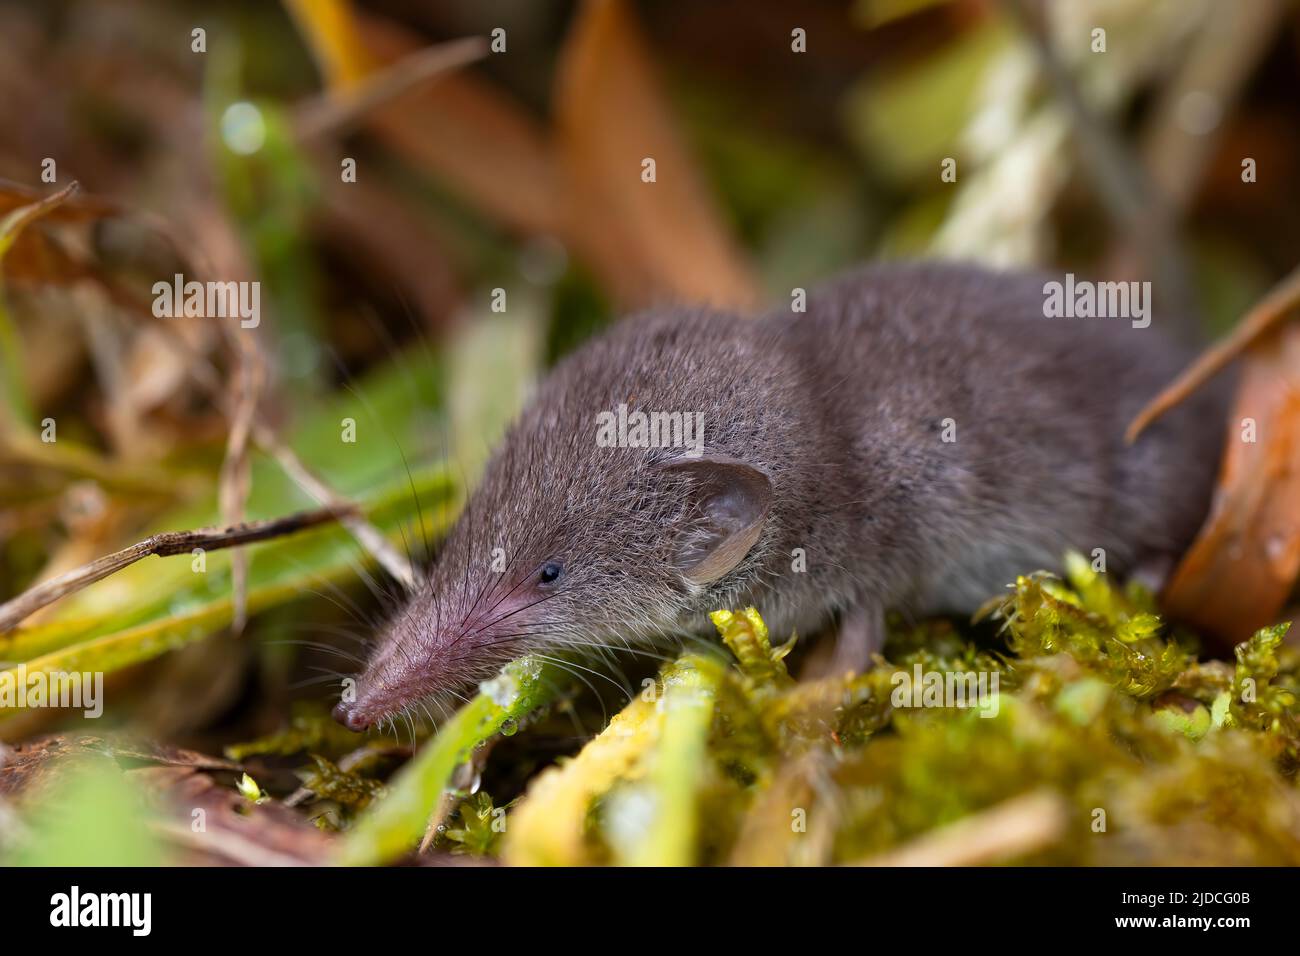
column 236, row 831
column 1243, row 565
column 479, row 141
column 648, row 241
column 26, row 253
column 32, row 765
column 76, row 206
column 37, row 258
column 176, row 782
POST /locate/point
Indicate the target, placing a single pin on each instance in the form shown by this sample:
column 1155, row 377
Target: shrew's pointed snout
column 349, row 715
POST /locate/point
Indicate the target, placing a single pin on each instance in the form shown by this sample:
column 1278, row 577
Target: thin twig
column 1116, row 171
column 335, row 111
column 438, row 815
column 367, row 535
column 351, row 517
column 1276, row 306
column 235, row 480
column 164, row 544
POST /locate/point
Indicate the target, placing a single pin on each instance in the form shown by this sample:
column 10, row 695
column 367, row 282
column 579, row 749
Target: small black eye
column 551, row 571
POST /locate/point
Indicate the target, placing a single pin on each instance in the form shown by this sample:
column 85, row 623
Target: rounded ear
column 731, row 501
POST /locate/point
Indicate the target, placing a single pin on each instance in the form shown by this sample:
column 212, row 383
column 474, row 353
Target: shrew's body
column 914, row 440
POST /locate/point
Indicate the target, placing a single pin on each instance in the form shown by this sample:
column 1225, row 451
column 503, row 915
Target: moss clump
column 1264, row 690
column 1115, row 636
column 475, row 829
column 1093, row 718
column 350, row 789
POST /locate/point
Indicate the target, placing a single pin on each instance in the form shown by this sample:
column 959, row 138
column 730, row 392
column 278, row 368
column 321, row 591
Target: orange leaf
column 1243, row 565
column 330, row 28
column 465, row 132
column 648, row 240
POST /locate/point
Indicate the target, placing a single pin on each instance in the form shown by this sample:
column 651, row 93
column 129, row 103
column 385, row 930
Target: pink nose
column 347, row 715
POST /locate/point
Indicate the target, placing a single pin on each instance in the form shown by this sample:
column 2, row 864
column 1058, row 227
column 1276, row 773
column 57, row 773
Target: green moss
column 1264, row 689
column 348, row 788
column 1109, row 634
column 476, row 827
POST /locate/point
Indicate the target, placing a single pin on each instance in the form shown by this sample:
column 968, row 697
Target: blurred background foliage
column 516, row 170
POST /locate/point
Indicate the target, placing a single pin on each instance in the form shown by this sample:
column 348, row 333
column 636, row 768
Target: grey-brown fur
column 842, row 409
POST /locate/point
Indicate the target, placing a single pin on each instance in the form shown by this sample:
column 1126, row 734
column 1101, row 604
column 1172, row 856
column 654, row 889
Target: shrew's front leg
column 862, row 634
